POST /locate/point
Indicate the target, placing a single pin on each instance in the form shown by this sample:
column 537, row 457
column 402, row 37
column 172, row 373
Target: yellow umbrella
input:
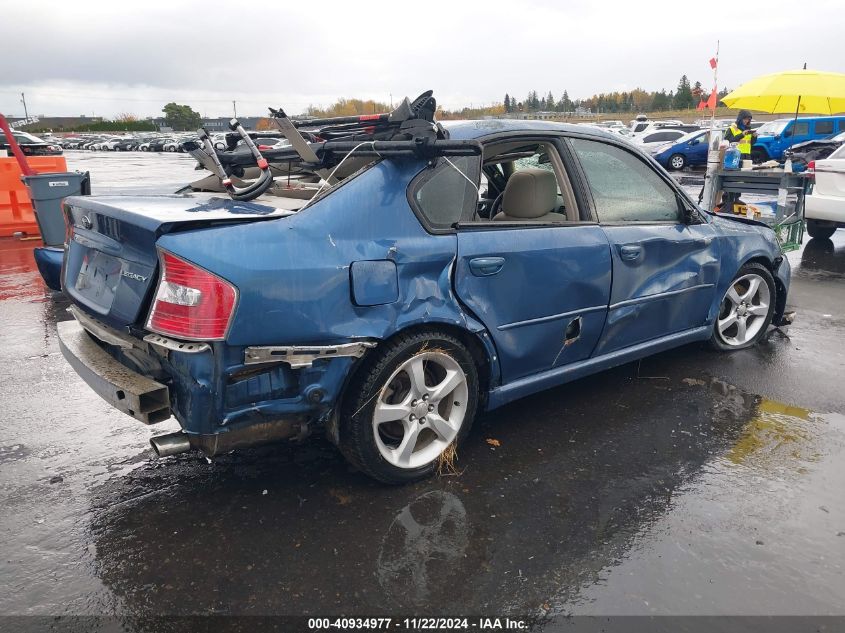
column 793, row 91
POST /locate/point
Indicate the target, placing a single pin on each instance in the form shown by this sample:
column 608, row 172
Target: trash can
column 47, row 191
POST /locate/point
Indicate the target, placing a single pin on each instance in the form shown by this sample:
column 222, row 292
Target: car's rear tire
column 677, row 162
column 746, row 309
column 411, row 401
column 821, row 231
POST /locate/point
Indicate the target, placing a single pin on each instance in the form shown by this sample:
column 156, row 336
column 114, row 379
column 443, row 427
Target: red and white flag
column 713, row 63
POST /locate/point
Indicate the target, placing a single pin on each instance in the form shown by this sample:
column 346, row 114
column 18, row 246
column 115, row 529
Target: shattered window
column 624, row 188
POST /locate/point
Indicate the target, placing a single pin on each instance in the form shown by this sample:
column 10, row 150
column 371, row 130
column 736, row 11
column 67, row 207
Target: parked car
column 643, row 124
column 393, row 307
column 824, row 207
column 111, row 144
column 69, row 142
column 30, row 145
column 91, row 143
column 610, row 124
column 157, row 145
column 803, row 153
column 171, row 145
column 659, row 137
column 126, row 145
column 776, row 136
column 688, row 150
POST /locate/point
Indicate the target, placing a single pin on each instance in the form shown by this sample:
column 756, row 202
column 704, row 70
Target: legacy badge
column 134, row 276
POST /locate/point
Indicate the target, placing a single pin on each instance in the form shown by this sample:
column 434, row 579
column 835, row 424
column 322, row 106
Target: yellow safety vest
column 744, row 144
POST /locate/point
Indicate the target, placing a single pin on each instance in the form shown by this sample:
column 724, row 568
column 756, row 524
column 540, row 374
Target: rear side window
column 624, row 188
column 443, row 194
column 824, row 127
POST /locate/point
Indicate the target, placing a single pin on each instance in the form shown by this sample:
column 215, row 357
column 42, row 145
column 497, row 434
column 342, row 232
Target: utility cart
column 787, row 218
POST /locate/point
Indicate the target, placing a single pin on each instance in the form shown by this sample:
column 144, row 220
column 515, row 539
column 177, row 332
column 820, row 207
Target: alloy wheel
column 744, row 310
column 420, row 410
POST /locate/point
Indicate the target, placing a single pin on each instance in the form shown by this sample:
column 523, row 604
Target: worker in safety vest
column 741, row 134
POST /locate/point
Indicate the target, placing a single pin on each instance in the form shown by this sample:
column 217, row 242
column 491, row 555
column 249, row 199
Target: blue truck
column 774, row 137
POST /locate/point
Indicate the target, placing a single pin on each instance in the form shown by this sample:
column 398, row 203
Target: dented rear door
column 542, row 291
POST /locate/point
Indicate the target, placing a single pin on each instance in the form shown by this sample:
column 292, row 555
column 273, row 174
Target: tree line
column 685, row 96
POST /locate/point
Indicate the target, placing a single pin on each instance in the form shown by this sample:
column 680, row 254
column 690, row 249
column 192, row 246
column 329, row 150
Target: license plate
column 98, row 278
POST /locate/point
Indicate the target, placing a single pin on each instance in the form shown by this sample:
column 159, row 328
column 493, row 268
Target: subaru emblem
column 86, row 222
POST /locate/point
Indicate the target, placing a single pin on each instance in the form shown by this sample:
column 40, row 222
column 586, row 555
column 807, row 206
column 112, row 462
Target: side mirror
column 777, row 137
column 787, row 133
column 690, row 214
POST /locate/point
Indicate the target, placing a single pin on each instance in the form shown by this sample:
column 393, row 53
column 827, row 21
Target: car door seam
column 658, row 295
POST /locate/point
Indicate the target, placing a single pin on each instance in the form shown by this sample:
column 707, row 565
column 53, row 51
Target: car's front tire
column 677, row 162
column 413, row 400
column 819, row 230
column 746, row 309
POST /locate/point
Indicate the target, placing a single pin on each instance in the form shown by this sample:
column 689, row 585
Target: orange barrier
column 16, row 214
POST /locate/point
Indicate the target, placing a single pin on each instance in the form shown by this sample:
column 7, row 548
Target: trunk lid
column 110, row 266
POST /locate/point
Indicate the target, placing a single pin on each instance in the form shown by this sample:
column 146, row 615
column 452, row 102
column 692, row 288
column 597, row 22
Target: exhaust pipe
column 170, row 444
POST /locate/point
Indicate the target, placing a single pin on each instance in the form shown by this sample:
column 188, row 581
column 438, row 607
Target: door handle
column 630, row 252
column 486, row 266
column 704, row 241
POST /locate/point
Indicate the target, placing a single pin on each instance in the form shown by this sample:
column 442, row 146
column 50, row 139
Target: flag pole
column 708, row 193
column 716, row 88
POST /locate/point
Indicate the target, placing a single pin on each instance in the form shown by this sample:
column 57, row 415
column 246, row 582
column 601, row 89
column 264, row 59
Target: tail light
column 811, row 166
column 190, row 302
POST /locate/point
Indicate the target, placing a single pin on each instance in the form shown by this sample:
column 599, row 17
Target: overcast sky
column 102, row 58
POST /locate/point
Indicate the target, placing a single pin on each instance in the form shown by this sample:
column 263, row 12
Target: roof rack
column 318, row 145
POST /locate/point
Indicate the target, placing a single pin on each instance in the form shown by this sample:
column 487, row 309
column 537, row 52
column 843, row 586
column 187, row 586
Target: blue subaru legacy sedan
column 391, row 302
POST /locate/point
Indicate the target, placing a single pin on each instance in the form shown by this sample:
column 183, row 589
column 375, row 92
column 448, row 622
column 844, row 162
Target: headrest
column 530, row 193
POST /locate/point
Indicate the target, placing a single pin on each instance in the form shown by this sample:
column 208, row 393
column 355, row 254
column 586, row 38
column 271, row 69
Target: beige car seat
column 531, row 194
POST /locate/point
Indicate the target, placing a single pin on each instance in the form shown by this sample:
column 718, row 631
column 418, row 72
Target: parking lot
column 690, row 483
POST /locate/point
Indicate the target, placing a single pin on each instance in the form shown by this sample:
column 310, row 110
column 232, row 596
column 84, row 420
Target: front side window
column 526, row 183
column 799, row 129
column 624, row 188
column 443, row 195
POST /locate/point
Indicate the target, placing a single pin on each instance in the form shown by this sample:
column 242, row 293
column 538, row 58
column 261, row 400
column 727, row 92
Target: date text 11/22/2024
column 417, row 624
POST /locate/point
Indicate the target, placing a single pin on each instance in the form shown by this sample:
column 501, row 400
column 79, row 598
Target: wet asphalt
column 690, row 483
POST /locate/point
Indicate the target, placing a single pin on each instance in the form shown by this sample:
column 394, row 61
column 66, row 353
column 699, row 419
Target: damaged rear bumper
column 136, row 395
column 224, row 397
